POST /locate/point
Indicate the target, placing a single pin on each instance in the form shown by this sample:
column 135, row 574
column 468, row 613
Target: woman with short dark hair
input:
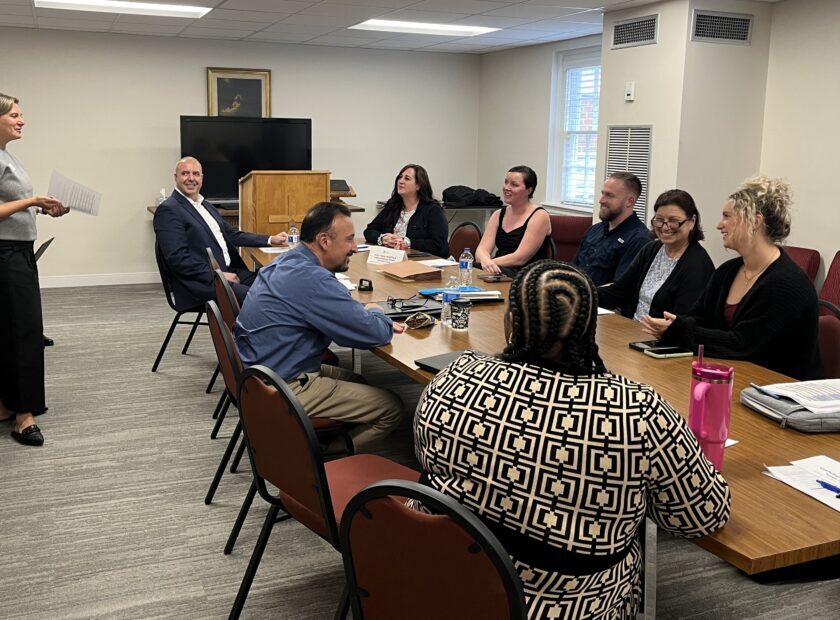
column 411, row 216
column 560, row 458
column 671, row 272
column 519, row 232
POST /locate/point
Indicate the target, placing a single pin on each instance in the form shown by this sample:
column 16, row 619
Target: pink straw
column 700, row 355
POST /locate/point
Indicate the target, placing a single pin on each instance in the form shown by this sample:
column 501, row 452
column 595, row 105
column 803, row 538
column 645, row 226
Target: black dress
column 508, row 242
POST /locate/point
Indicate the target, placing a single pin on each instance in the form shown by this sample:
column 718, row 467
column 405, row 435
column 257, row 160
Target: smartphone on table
column 495, row 277
column 643, row 345
column 666, row 352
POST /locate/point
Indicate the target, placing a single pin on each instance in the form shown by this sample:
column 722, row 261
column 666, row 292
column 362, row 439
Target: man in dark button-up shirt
column 297, row 307
column 608, row 248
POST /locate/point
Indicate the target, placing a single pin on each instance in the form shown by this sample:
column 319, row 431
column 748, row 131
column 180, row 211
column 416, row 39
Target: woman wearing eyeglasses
column 670, row 273
column 760, row 306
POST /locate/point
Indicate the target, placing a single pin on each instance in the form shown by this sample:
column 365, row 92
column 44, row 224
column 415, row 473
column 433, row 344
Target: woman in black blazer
column 671, row 272
column 411, row 215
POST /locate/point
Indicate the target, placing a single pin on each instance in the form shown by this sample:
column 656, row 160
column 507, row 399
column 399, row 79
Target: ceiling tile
column 534, row 12
column 352, row 11
column 272, row 6
column 281, row 37
column 246, row 16
column 429, row 17
column 492, row 21
column 155, row 19
column 85, row 16
column 18, row 20
column 387, row 4
column 304, row 28
column 338, row 41
column 459, row 6
column 392, row 44
column 215, row 33
column 320, row 20
column 156, row 29
column 581, row 4
column 73, row 24
column 224, row 24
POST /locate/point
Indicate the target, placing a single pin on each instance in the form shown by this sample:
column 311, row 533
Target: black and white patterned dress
column 573, row 462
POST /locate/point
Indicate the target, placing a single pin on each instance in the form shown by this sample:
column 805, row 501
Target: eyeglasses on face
column 672, row 224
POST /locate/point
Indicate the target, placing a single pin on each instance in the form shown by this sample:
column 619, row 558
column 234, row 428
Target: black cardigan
column 774, row 326
column 678, row 292
column 427, row 230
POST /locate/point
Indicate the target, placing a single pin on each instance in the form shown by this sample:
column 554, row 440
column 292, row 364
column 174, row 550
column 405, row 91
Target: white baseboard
column 100, row 279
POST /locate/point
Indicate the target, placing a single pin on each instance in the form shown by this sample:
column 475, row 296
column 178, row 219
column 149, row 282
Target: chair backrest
column 831, row 287
column 466, row 235
column 829, row 336
column 807, row 259
column 211, row 260
column 284, row 451
column 567, row 232
column 402, row 563
column 165, row 276
column 230, row 363
column 225, row 298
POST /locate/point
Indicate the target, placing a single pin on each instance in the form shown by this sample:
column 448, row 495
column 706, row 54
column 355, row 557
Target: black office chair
column 166, row 279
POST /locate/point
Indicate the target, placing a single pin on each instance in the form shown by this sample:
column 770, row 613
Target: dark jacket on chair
column 183, row 237
column 678, row 292
column 428, row 229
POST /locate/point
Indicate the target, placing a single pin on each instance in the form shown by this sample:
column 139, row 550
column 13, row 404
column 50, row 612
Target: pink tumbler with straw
column 710, row 408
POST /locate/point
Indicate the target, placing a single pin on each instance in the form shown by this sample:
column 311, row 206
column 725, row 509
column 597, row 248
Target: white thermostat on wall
column 629, row 91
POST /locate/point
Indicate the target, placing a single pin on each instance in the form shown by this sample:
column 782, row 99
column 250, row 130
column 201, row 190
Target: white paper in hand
column 74, row 195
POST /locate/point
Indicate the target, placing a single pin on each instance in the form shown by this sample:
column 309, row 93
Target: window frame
column 565, row 61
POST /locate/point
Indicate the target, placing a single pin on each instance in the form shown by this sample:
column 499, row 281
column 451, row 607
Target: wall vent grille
column 628, row 149
column 714, row 27
column 637, row 31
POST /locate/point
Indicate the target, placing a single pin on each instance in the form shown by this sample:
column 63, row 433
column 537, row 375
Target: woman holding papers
column 560, row 458
column 759, row 306
column 520, row 232
column 411, row 216
column 21, row 326
column 669, row 273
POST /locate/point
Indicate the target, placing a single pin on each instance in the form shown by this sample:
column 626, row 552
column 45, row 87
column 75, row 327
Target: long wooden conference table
column 771, row 525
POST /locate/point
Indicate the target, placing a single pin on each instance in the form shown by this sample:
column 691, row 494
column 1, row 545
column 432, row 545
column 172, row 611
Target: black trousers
column 241, row 288
column 21, row 330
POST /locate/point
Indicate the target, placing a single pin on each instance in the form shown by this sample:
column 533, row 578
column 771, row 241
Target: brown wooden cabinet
column 270, row 200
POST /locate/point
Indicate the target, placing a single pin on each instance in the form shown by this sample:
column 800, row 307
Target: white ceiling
column 324, row 22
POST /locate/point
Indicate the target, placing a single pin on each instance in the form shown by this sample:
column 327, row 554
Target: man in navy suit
column 185, row 225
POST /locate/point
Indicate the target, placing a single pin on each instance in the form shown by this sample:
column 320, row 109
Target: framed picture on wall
column 238, row 92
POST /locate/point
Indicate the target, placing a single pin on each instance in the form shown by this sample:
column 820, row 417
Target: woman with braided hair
column 561, row 459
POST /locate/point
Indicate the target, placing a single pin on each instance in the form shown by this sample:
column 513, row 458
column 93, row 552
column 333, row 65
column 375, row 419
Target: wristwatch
column 379, row 239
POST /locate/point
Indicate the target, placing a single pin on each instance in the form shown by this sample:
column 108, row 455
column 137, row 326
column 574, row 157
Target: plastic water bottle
column 446, row 309
column 294, row 235
column 465, row 264
column 453, row 283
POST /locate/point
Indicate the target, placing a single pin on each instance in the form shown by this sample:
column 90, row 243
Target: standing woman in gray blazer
column 21, row 324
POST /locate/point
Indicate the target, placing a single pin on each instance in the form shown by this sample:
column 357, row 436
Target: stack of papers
column 346, row 281
column 805, row 475
column 439, row 262
column 818, row 396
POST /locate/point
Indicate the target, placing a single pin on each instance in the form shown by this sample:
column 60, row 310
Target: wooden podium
column 270, row 200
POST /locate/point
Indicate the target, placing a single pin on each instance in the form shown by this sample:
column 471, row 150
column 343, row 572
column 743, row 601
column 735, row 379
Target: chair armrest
column 830, row 306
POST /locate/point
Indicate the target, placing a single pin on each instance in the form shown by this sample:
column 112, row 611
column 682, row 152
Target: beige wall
column 103, row 109
column 722, row 116
column 514, row 110
column 658, row 72
column 800, row 134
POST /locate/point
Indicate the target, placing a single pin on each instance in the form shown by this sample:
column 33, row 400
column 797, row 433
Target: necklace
column 757, row 273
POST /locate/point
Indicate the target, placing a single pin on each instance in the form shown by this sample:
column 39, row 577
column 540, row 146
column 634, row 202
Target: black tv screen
column 229, row 148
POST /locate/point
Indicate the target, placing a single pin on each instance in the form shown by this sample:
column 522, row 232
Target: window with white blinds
column 575, row 139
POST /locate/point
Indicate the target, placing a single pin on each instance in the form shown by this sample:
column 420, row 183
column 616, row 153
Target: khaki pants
column 343, row 395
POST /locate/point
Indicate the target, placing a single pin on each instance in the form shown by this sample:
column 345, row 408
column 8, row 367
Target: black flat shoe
column 30, row 436
column 48, row 342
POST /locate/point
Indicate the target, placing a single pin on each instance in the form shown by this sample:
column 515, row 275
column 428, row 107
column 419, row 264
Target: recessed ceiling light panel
column 127, row 8
column 449, row 30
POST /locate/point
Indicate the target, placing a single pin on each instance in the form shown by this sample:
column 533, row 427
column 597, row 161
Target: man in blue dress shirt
column 608, row 248
column 297, row 307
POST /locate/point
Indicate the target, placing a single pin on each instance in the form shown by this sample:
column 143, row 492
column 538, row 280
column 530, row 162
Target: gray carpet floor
column 107, row 520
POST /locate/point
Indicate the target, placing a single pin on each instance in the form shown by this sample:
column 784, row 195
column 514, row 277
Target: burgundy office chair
column 401, row 563
column 831, row 287
column 466, row 235
column 567, row 232
column 829, row 335
column 284, row 453
column 807, row 259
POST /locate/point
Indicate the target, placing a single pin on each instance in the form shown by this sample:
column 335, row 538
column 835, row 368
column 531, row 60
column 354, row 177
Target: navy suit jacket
column 183, row 237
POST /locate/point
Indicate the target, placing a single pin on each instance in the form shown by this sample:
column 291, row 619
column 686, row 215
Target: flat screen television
column 229, row 148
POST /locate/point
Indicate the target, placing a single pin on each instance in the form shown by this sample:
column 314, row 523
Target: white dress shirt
column 211, row 222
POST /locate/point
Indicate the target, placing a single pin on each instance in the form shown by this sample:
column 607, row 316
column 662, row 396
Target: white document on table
column 346, row 281
column 275, row 249
column 803, row 475
column 439, row 262
column 74, row 195
column 821, row 396
column 604, row 311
